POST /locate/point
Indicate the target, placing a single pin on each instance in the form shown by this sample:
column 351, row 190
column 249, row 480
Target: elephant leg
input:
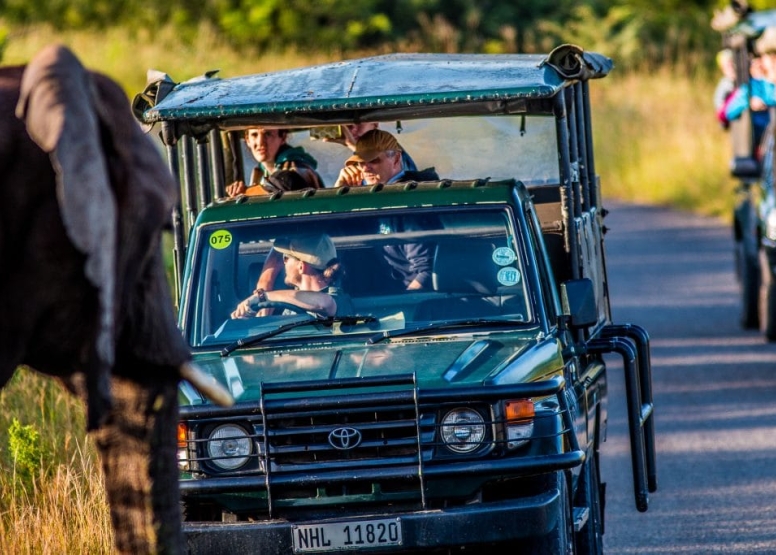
column 138, row 448
column 165, row 495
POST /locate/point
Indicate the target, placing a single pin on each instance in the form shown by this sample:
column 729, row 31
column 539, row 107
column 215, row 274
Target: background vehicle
column 466, row 414
column 764, row 201
column 752, row 164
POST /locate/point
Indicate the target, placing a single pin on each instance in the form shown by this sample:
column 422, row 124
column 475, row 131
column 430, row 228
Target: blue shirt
column 739, row 102
column 740, row 99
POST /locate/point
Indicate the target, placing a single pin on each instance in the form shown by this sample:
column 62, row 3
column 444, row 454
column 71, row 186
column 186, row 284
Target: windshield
column 398, row 269
column 498, row 147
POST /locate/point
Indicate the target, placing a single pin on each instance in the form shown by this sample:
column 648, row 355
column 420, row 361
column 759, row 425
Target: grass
column 61, row 507
column 656, row 140
column 126, row 56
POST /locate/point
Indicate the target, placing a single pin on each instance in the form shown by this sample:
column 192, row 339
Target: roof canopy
column 374, row 89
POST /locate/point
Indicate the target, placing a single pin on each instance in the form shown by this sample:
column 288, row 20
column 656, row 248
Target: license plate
column 351, row 535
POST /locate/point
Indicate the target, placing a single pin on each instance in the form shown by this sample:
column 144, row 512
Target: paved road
column 714, row 393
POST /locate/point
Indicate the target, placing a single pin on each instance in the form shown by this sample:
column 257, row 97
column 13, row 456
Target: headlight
column 229, row 446
column 463, row 430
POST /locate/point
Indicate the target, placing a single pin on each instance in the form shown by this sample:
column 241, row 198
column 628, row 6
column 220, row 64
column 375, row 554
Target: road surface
column 714, row 392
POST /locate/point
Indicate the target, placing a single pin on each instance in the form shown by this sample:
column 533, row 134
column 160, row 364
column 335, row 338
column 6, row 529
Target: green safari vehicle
column 464, row 414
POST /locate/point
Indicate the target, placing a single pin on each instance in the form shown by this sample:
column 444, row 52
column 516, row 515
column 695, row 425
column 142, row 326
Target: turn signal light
column 519, row 414
column 183, row 435
column 519, row 409
column 183, row 451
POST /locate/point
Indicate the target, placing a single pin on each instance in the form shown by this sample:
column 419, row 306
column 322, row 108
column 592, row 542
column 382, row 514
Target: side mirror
column 744, row 167
column 578, row 300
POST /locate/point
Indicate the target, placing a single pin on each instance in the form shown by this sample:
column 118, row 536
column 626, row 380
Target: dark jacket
column 429, row 174
column 297, row 159
column 410, row 261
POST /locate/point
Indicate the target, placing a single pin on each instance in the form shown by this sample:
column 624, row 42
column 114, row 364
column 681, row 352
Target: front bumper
column 493, row 522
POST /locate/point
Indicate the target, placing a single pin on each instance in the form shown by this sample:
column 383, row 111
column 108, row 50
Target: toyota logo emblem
column 344, row 438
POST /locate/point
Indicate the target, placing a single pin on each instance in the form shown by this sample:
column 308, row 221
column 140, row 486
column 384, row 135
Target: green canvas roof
column 375, row 88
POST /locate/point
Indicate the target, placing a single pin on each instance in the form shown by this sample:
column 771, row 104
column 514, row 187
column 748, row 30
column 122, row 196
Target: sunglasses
column 375, row 161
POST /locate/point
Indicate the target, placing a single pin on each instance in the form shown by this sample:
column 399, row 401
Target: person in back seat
column 377, row 159
column 273, row 154
column 352, row 132
column 312, row 268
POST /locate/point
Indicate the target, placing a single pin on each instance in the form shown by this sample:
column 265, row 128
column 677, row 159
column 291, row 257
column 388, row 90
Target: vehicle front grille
column 293, row 429
column 385, row 433
column 371, row 440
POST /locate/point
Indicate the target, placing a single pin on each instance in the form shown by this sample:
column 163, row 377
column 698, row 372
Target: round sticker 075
column 220, row 239
column 504, row 256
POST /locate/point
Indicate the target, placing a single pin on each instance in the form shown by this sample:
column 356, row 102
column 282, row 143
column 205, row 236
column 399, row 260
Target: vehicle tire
column 561, row 540
column 767, row 304
column 748, row 273
column 590, row 539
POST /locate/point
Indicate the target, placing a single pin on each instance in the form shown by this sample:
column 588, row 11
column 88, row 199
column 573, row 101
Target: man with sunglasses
column 312, row 269
column 378, row 159
column 352, row 132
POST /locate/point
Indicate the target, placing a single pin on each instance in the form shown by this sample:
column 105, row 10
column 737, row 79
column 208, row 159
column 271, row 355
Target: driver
column 311, row 267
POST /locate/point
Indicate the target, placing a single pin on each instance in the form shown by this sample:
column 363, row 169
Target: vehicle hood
column 438, row 362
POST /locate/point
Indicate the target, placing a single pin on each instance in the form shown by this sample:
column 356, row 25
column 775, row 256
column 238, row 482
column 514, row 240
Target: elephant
column 83, row 293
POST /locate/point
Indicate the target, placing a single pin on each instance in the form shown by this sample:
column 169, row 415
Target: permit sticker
column 503, row 256
column 508, row 276
column 220, row 239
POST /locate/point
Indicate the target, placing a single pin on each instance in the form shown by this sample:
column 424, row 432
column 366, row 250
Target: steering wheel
column 256, row 307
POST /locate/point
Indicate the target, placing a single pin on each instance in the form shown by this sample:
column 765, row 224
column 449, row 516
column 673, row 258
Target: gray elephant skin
column 83, row 294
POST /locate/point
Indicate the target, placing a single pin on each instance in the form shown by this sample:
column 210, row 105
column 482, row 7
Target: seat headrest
column 465, row 268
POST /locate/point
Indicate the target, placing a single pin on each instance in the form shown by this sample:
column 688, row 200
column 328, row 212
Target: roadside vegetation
column 657, row 142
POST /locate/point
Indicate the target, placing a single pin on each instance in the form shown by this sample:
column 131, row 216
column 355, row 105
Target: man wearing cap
column 311, row 267
column 270, row 149
column 378, row 159
column 352, row 132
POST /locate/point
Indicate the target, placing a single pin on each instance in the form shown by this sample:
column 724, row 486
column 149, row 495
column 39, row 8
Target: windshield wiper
column 444, row 325
column 328, row 320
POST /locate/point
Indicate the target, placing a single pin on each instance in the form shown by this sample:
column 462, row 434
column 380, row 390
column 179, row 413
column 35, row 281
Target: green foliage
column 24, row 446
column 277, row 24
column 3, row 40
column 756, row 4
column 640, row 32
column 54, row 417
column 641, row 38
